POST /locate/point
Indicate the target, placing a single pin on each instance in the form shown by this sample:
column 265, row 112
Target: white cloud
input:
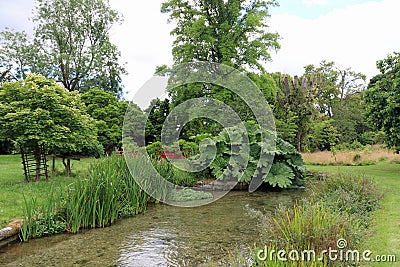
column 310, row 3
column 356, row 37
column 144, row 40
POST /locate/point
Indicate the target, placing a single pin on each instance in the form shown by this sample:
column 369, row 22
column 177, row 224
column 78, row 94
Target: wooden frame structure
column 33, row 168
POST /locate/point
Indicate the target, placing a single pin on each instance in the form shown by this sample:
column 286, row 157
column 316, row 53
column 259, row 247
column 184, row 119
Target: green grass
column 13, row 186
column 384, row 236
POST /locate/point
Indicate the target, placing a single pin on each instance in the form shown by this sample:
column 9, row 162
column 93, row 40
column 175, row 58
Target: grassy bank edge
column 384, row 232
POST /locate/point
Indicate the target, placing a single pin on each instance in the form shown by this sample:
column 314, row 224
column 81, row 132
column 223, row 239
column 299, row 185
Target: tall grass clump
column 308, row 226
column 107, row 193
column 338, row 207
column 41, row 219
column 354, row 196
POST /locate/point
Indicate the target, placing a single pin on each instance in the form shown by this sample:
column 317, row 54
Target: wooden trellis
column 33, row 171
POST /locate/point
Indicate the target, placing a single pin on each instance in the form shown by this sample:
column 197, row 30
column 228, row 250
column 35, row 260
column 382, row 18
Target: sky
column 352, row 33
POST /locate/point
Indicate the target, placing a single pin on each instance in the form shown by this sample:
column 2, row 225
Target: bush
column 287, row 169
column 350, row 195
column 154, row 150
column 308, row 226
column 349, row 147
column 174, row 175
column 186, row 148
column 337, row 207
column 372, row 138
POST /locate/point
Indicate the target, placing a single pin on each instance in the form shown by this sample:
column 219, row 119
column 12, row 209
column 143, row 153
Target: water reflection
column 163, row 236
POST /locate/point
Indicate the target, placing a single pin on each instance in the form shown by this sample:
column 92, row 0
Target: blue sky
column 352, row 33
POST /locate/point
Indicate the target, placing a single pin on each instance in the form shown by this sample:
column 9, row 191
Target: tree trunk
column 67, row 165
column 299, row 140
column 12, row 229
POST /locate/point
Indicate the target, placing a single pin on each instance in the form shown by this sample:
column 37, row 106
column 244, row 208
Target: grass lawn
column 13, row 186
column 384, row 237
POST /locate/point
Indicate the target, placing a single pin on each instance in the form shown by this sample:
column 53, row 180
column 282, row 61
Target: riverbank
column 383, row 237
column 13, row 186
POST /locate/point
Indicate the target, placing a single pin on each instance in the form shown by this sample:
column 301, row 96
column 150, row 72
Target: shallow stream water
column 162, row 236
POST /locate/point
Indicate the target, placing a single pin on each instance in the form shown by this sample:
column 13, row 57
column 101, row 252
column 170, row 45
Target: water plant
column 107, row 192
column 337, row 207
column 99, row 199
column 41, row 219
column 286, row 170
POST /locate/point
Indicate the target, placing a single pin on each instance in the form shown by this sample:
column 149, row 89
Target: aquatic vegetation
column 106, row 193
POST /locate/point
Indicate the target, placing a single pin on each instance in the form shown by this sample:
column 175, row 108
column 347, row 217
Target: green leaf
column 280, row 175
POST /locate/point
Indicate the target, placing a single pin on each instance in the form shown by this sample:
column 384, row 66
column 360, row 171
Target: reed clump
column 337, row 208
column 107, row 192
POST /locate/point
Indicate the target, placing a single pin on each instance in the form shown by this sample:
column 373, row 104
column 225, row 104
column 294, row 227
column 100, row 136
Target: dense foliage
column 38, row 111
column 229, row 32
column 71, row 45
column 89, row 203
column 383, row 100
column 109, row 114
column 321, row 109
column 287, row 168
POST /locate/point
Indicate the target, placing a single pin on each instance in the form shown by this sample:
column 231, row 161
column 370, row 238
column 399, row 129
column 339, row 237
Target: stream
column 163, row 236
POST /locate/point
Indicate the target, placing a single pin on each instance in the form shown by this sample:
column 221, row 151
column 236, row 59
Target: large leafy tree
column 71, row 45
column 233, row 33
column 109, row 114
column 156, row 118
column 230, row 32
column 38, row 111
column 382, row 99
column 294, row 109
column 15, row 54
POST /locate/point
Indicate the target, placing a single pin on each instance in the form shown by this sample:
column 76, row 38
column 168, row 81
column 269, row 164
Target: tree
column 331, row 84
column 294, row 109
column 71, row 45
column 109, row 114
column 38, row 111
column 229, row 32
column 234, row 33
column 156, row 118
column 382, row 99
column 15, row 54
column 350, row 120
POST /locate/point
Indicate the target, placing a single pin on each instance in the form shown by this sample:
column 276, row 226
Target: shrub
column 350, row 195
column 287, row 168
column 356, row 158
column 154, row 150
column 174, row 175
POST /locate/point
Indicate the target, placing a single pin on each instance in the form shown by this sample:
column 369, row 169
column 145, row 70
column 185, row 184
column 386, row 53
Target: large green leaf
column 280, row 175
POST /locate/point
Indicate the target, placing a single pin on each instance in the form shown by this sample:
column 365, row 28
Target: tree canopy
column 228, row 32
column 109, row 114
column 38, row 111
column 71, row 45
column 382, row 100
